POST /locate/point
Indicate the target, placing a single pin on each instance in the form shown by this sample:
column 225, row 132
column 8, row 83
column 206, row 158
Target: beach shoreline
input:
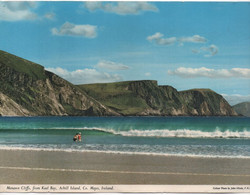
column 60, row 167
column 41, row 149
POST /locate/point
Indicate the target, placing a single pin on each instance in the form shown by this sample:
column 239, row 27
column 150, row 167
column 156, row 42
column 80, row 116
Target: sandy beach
column 57, row 167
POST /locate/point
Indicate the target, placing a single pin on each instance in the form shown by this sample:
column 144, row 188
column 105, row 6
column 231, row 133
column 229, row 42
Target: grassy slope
column 22, row 94
column 22, row 87
column 21, row 65
column 116, row 96
column 133, row 97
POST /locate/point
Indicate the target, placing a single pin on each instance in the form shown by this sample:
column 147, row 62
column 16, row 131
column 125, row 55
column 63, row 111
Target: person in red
column 79, row 137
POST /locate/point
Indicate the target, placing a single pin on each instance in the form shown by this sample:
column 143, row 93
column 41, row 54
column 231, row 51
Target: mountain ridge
column 27, row 89
column 147, row 98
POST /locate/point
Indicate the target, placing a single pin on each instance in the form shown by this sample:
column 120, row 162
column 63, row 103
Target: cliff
column 143, row 98
column 27, row 89
column 206, row 102
column 243, row 108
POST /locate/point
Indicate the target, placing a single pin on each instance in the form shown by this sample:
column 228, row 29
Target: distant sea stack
column 27, row 89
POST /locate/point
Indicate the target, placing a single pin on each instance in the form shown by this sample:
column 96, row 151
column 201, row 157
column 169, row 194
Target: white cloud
column 236, row 98
column 193, row 39
column 207, row 51
column 121, row 8
column 93, row 5
column 70, row 29
column 211, row 73
column 49, row 16
column 111, row 65
column 17, row 11
column 85, row 76
column 157, row 37
column 212, row 49
column 147, row 74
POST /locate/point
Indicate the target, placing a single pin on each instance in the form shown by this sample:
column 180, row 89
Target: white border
column 47, row 188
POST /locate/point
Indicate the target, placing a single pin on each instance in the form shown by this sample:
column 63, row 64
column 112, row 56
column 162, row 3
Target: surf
column 162, row 133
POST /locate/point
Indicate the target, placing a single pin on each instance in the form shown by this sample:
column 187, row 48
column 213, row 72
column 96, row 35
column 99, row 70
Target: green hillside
column 116, row 96
column 27, row 89
column 21, row 65
column 147, row 98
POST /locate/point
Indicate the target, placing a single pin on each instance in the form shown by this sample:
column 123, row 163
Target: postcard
column 126, row 96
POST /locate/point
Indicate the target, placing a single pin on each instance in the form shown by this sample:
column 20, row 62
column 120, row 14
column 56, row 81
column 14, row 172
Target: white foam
column 187, row 133
column 175, row 133
column 119, row 152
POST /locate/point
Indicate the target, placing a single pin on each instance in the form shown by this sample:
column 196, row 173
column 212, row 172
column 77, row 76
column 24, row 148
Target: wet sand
column 57, row 167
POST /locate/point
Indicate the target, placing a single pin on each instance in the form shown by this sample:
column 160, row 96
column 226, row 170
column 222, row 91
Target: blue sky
column 183, row 44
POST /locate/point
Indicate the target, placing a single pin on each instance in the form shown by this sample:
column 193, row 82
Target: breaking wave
column 164, row 133
column 185, row 133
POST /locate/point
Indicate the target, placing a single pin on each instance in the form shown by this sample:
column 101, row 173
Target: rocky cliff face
column 206, row 102
column 27, row 89
column 8, row 107
column 160, row 100
column 35, row 91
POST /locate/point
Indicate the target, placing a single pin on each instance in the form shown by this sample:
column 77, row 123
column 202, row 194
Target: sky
column 183, row 44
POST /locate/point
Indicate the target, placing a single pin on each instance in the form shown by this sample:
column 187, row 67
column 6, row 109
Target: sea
column 219, row 137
